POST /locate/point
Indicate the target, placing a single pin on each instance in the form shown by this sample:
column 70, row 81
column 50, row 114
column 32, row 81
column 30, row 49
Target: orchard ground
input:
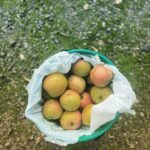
column 30, row 31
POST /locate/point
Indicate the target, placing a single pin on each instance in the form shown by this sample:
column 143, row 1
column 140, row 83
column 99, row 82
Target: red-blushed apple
column 85, row 100
column 101, row 76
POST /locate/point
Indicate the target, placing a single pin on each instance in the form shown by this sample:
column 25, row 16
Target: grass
column 38, row 29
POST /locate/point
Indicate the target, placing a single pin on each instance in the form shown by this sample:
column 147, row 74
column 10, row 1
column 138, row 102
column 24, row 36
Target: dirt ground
column 30, row 31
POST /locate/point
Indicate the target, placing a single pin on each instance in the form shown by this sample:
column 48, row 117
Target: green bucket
column 100, row 131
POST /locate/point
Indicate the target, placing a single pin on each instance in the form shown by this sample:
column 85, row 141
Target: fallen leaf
column 25, row 78
column 94, row 48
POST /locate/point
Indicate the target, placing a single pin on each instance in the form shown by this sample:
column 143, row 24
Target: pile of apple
column 73, row 95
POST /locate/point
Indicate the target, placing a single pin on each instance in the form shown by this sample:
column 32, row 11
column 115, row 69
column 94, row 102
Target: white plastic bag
column 121, row 101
